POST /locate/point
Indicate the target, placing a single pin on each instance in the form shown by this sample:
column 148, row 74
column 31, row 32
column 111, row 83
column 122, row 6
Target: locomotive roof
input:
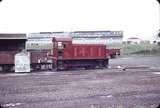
column 62, row 38
column 13, row 36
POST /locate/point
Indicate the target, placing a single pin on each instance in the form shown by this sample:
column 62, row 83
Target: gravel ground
column 130, row 82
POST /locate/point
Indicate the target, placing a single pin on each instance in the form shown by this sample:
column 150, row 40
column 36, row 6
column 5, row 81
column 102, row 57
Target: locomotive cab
column 59, row 47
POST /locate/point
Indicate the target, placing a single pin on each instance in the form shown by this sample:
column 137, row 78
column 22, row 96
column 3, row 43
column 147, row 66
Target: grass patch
column 142, row 49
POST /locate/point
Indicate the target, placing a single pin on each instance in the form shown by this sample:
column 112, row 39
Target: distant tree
column 159, row 37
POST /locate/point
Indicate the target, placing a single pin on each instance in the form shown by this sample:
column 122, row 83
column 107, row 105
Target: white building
column 98, row 36
column 44, row 39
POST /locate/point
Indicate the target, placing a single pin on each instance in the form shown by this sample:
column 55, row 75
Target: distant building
column 134, row 40
column 45, row 35
column 78, row 37
column 101, row 36
column 42, row 39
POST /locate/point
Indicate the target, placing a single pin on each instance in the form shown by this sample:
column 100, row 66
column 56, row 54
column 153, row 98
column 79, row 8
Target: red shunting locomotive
column 67, row 55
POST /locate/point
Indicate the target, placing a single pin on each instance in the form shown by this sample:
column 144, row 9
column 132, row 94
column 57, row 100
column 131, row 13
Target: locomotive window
column 61, row 45
column 64, row 45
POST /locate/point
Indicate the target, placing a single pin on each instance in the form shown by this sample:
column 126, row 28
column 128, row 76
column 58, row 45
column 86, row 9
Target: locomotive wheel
column 89, row 67
column 59, row 66
column 101, row 65
column 6, row 68
column 113, row 56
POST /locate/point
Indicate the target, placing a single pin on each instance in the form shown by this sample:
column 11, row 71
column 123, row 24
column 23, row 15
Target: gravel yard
column 130, row 82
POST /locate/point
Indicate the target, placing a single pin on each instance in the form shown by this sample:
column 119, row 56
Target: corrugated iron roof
column 62, row 39
column 13, row 36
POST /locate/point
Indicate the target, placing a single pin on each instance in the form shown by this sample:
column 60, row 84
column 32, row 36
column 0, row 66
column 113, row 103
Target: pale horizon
column 138, row 18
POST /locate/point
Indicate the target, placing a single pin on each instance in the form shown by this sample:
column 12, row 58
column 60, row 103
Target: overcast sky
column 135, row 17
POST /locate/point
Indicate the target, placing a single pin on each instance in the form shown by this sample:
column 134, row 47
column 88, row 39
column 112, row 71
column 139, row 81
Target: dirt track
column 131, row 82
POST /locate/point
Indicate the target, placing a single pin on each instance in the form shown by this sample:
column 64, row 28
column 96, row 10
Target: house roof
column 12, row 36
column 134, row 38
